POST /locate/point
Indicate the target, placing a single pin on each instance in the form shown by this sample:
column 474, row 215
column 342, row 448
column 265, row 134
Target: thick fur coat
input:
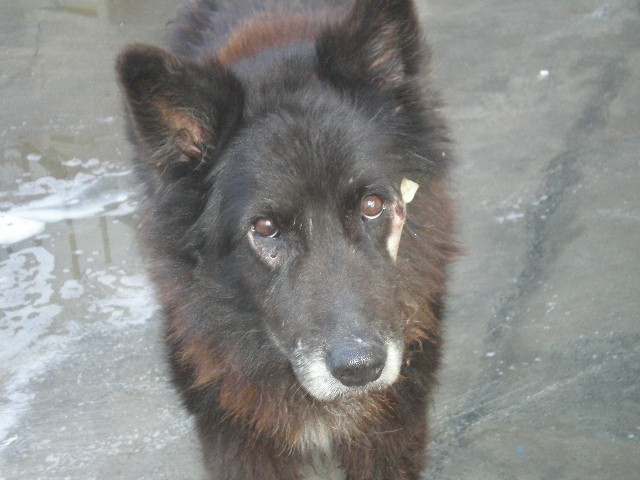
column 302, row 276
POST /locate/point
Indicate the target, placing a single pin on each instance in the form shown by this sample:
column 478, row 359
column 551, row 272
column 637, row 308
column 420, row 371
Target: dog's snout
column 356, row 362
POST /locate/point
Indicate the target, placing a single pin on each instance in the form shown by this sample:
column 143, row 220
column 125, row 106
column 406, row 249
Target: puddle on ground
column 80, row 339
column 66, row 227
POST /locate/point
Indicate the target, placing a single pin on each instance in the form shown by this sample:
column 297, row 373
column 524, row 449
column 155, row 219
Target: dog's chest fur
column 324, row 467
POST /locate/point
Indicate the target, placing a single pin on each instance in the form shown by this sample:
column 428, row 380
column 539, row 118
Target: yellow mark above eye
column 408, row 189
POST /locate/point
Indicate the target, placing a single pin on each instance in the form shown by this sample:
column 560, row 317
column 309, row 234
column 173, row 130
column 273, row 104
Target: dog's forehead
column 319, row 144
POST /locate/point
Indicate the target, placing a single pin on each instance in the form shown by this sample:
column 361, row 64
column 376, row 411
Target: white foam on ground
column 71, row 289
column 25, row 296
column 35, row 339
column 14, row 229
column 83, row 196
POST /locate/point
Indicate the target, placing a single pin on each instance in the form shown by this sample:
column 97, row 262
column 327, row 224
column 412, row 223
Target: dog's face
column 312, row 217
column 300, row 164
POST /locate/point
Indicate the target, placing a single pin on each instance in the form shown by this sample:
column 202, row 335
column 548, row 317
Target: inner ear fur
column 180, row 110
column 379, row 43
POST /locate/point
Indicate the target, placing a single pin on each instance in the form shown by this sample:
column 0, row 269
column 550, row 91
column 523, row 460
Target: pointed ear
column 180, row 111
column 379, row 43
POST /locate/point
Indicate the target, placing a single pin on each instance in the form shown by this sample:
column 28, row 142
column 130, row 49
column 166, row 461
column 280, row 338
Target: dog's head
column 289, row 174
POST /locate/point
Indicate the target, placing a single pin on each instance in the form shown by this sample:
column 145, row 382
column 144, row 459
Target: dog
column 298, row 226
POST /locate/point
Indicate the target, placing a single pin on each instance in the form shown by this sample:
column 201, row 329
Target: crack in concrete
column 562, row 174
column 38, row 37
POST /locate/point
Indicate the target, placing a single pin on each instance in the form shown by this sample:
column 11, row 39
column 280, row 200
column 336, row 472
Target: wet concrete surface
column 541, row 376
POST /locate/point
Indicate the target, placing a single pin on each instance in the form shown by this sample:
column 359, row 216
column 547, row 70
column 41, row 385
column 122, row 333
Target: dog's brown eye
column 372, row 206
column 265, row 227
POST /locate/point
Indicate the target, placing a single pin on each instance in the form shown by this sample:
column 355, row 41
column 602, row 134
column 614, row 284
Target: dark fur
column 293, row 110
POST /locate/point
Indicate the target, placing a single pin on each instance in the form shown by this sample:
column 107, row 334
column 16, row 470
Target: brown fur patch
column 265, row 32
column 385, row 53
column 189, row 134
column 207, row 368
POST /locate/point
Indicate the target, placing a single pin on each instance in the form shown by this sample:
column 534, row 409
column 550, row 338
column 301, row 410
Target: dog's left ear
column 379, row 44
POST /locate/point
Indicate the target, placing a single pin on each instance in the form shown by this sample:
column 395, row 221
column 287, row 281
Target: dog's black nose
column 356, row 362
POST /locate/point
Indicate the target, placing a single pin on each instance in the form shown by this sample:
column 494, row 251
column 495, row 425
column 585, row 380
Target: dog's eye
column 265, row 227
column 372, row 206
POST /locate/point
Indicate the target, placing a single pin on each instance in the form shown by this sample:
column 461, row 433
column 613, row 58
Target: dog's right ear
column 181, row 111
column 378, row 44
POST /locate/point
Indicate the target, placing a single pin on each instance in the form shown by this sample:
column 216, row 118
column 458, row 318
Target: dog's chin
column 313, row 374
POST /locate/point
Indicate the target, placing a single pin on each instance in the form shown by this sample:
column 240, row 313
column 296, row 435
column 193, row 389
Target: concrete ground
column 542, row 364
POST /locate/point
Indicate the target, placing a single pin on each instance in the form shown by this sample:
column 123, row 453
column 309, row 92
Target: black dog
column 280, row 145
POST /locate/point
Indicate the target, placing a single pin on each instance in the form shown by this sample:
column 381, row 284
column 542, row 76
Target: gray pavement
column 541, row 376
